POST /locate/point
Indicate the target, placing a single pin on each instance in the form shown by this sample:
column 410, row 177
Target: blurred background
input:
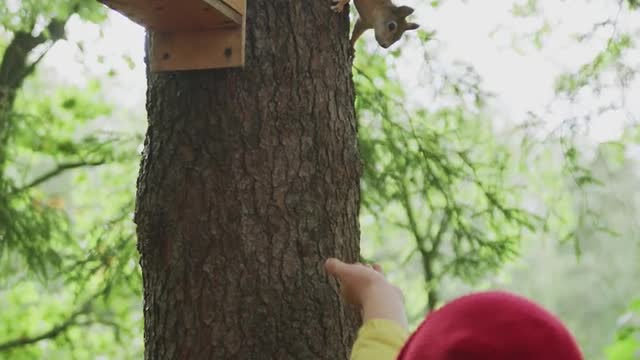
column 500, row 143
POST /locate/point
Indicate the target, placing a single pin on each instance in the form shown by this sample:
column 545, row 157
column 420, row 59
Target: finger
column 335, row 267
column 377, row 268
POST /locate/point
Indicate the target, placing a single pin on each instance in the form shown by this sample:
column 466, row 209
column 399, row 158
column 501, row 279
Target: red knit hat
column 491, row 326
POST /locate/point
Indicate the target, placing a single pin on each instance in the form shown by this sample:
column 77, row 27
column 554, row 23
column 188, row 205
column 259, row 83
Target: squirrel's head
column 393, row 25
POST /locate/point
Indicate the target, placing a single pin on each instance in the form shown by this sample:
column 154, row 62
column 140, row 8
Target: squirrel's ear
column 412, row 26
column 404, row 11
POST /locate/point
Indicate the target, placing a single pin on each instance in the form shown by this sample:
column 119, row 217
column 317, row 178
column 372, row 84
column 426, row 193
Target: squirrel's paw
column 337, row 6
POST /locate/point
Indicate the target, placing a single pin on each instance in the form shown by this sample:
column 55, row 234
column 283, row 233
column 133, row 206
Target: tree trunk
column 249, row 180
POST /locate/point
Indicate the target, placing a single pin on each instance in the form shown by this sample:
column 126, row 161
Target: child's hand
column 357, row 281
column 367, row 287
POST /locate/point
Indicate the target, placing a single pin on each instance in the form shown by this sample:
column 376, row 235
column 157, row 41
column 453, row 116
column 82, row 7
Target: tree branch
column 61, row 328
column 15, row 68
column 52, row 333
column 437, row 240
column 57, row 171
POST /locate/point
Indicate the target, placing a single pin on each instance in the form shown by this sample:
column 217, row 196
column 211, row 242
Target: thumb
column 335, row 267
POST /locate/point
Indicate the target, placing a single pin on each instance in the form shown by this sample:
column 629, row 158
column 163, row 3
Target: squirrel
column 388, row 21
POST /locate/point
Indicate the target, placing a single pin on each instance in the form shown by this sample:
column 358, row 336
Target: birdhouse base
column 196, row 50
column 189, row 34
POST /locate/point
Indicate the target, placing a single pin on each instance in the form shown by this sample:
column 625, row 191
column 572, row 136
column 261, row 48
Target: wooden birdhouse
column 189, row 34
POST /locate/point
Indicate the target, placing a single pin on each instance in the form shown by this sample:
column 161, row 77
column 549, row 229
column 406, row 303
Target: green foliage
column 22, row 15
column 603, row 221
column 570, row 84
column 414, row 175
column 68, row 260
column 62, row 127
column 438, row 177
column 27, row 217
column 627, row 342
column 87, row 245
column 48, row 135
column 529, row 8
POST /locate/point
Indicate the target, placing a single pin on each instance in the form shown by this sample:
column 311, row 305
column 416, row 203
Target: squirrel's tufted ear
column 412, row 26
column 404, row 11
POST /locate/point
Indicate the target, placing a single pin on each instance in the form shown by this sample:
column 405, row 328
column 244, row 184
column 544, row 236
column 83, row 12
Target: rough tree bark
column 249, row 179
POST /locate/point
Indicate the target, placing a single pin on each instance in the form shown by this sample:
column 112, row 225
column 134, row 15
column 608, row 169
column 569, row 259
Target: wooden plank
column 193, row 50
column 237, row 5
column 179, row 15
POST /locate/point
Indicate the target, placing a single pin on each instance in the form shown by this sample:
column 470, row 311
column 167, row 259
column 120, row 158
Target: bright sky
column 482, row 33
column 488, row 36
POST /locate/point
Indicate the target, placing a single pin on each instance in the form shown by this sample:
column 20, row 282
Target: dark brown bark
column 249, row 180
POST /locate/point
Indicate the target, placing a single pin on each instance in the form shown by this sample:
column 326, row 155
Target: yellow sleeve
column 379, row 339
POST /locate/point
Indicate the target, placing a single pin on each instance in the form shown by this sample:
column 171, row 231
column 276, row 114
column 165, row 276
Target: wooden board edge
column 237, row 5
column 234, row 17
column 225, row 9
